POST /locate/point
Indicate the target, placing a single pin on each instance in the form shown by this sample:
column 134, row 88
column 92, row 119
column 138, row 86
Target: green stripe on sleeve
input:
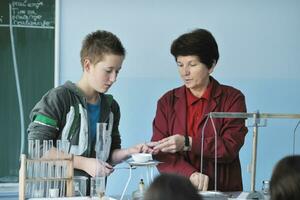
column 45, row 120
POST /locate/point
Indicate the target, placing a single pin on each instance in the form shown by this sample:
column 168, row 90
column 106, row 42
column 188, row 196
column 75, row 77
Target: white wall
column 259, row 49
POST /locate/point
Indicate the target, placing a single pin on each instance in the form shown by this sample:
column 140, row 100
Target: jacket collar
column 216, row 90
column 180, row 102
column 105, row 104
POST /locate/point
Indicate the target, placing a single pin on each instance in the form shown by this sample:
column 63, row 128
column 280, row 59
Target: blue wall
column 259, row 46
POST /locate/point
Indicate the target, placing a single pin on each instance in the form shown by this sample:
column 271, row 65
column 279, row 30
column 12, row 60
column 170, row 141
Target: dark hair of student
column 199, row 42
column 171, row 187
column 285, row 180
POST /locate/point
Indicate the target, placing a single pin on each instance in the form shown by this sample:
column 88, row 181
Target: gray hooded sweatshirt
column 62, row 114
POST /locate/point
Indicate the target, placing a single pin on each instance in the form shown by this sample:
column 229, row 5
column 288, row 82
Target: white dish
column 214, row 195
column 141, row 157
column 148, row 163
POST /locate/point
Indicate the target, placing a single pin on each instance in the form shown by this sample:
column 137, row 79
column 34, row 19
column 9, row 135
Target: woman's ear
column 212, row 67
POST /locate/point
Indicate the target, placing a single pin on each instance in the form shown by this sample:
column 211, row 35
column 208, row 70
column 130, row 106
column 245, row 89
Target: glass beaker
column 79, row 185
column 97, row 187
column 265, row 187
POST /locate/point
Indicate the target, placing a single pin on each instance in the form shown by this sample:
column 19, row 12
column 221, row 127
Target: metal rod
column 251, row 115
column 127, row 183
column 254, row 153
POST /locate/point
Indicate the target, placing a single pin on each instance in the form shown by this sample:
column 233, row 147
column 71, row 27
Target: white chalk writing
column 26, row 12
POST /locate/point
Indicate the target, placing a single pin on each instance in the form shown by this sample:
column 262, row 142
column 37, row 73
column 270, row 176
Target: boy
column 71, row 111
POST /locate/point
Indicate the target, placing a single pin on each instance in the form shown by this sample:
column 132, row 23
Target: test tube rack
column 23, row 179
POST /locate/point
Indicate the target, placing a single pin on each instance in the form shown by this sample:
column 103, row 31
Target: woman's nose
column 186, row 70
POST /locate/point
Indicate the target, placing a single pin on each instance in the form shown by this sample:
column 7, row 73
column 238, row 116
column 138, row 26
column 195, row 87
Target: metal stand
column 256, row 117
column 132, row 165
column 127, row 182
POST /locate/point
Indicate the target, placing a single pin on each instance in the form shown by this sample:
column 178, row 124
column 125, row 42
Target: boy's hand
column 96, row 167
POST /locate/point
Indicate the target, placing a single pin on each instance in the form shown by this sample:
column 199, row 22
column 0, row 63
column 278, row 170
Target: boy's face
column 103, row 74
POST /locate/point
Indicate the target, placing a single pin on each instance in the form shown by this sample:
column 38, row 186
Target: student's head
column 196, row 54
column 102, row 55
column 285, row 180
column 171, row 187
column 200, row 43
column 100, row 43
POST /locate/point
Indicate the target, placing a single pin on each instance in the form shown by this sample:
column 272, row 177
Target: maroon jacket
column 171, row 119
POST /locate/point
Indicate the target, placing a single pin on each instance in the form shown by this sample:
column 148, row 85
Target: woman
column 181, row 114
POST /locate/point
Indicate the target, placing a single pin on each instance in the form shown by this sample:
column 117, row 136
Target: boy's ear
column 86, row 64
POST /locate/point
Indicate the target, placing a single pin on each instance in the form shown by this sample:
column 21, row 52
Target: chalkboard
column 26, row 72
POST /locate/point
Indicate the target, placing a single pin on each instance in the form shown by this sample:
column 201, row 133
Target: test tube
column 30, row 167
column 57, row 165
column 45, row 167
column 65, row 149
column 65, row 146
column 50, row 169
column 37, row 170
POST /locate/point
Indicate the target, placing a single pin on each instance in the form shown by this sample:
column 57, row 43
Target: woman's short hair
column 200, row 43
column 171, row 187
column 285, row 180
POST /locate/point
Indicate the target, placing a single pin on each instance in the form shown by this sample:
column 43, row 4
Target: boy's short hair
column 200, row 43
column 98, row 43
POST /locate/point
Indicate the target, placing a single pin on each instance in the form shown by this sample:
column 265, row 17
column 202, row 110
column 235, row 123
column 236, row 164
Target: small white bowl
column 141, row 157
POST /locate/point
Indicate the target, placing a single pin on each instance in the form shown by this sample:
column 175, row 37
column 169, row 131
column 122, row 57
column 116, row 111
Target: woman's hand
column 139, row 148
column 96, row 167
column 170, row 144
column 119, row 155
column 200, row 181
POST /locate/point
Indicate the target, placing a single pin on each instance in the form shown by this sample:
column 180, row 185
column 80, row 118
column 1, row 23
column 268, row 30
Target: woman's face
column 103, row 74
column 194, row 74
